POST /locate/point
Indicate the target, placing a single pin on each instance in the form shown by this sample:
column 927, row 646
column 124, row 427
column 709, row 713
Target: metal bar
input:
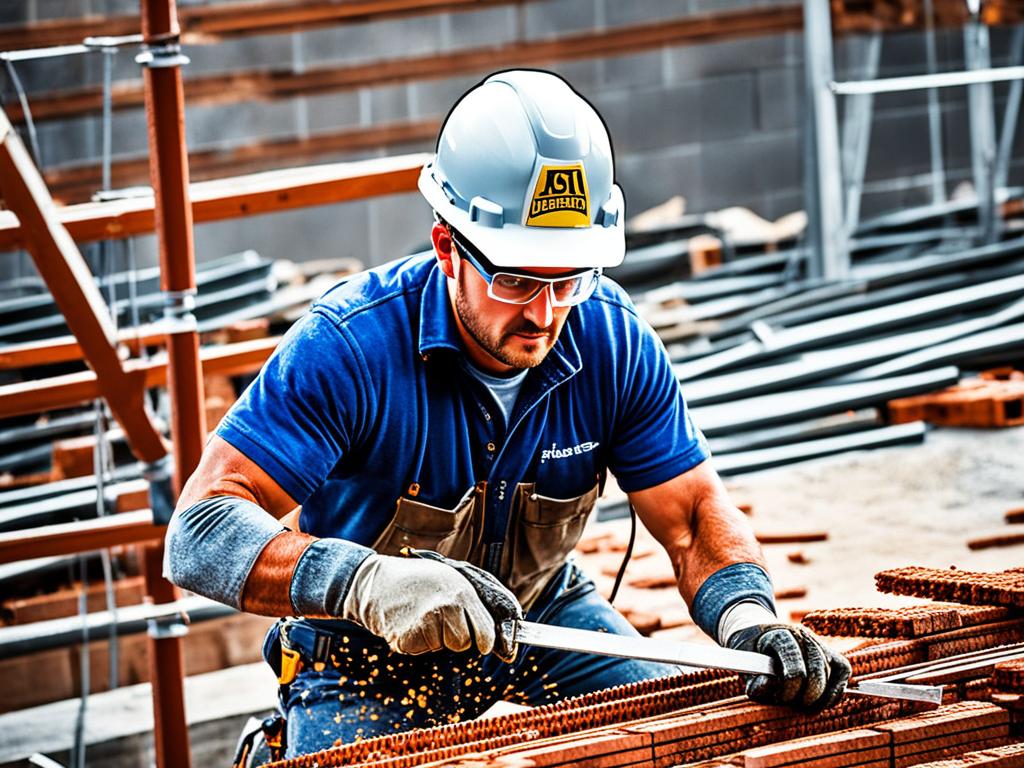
column 1008, row 340
column 165, row 118
column 920, row 82
column 858, row 324
column 651, row 649
column 62, row 633
column 801, row 449
column 79, row 388
column 236, row 197
column 82, row 536
column 981, row 114
column 857, row 117
column 934, row 109
column 832, row 425
column 821, row 363
column 829, row 256
column 1010, row 115
column 778, row 408
column 61, row 265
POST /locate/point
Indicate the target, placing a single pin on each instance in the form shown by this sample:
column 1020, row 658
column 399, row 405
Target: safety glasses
column 513, row 287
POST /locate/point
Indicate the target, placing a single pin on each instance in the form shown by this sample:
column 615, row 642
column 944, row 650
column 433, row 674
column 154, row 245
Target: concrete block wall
column 719, row 123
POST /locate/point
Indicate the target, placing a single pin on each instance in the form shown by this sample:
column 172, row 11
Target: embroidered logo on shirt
column 554, row 452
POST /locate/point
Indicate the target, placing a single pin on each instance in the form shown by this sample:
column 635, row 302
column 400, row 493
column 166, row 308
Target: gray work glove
column 811, row 676
column 426, row 602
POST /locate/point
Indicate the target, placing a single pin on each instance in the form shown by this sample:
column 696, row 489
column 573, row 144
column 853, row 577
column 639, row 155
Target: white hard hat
column 524, row 171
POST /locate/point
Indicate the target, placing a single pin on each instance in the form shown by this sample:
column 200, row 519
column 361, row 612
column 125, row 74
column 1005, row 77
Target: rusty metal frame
column 235, row 197
column 69, row 390
column 61, row 265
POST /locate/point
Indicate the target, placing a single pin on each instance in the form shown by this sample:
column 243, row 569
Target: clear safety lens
column 565, row 291
column 517, row 288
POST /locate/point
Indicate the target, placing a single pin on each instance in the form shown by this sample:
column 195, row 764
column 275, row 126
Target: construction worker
column 446, row 423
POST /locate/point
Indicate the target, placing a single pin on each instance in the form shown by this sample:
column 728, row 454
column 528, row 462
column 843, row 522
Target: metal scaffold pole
column 827, row 243
column 168, row 168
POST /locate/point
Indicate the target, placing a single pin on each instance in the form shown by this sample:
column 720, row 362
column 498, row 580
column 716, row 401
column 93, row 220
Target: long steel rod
column 934, row 109
column 920, row 82
column 165, row 119
column 1008, row 131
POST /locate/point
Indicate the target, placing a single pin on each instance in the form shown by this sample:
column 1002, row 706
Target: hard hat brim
column 515, row 245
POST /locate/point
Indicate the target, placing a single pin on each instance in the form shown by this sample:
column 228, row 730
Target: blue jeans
column 369, row 691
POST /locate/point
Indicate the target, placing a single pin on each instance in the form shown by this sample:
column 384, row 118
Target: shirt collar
column 437, row 323
column 439, row 331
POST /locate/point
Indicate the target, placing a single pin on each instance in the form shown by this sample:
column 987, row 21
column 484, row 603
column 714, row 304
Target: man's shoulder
column 610, row 306
column 378, row 293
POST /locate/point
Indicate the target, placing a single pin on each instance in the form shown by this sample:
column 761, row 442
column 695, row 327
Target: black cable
column 629, row 554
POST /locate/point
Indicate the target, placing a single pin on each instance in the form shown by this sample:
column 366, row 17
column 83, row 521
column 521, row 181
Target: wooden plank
column 236, row 197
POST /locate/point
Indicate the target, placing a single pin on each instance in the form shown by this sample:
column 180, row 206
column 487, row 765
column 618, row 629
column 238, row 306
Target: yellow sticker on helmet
column 560, row 198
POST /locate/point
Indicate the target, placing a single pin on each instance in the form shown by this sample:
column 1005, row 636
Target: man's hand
column 811, row 676
column 427, row 602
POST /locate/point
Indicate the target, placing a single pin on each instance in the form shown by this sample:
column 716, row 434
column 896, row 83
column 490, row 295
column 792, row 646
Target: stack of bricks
column 972, row 588
column 1007, row 687
column 1010, row 756
column 915, row 621
column 995, row 400
column 700, row 719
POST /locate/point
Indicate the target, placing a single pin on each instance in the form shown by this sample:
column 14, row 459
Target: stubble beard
column 495, row 344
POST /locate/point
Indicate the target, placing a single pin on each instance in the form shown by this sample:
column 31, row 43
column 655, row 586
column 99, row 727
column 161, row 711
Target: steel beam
column 983, row 74
column 62, row 633
column 829, row 257
column 75, row 389
column 165, row 118
column 854, row 325
column 764, row 458
column 934, row 109
column 62, row 267
column 82, row 536
column 857, row 117
column 1008, row 131
column 981, row 114
column 794, row 405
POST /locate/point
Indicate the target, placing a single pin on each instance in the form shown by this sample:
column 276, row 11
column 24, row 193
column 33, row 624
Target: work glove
column 811, row 676
column 426, row 602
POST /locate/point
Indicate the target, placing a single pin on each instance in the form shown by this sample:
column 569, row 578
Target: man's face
column 514, row 335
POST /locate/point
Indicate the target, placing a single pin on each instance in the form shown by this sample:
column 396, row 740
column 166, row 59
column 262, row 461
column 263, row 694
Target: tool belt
column 301, row 646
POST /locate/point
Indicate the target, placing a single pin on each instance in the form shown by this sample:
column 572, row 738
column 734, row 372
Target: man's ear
column 442, row 240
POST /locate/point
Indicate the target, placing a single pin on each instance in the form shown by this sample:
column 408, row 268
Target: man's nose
column 539, row 311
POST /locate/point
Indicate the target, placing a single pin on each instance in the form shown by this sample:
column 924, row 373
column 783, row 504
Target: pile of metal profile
column 225, row 285
column 778, row 367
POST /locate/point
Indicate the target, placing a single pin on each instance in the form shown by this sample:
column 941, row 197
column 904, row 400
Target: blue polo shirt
column 366, row 395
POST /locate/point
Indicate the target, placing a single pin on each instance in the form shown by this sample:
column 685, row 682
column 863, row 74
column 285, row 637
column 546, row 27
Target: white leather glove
column 427, row 602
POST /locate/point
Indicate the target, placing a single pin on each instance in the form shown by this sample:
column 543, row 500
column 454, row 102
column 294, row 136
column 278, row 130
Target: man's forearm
column 233, row 551
column 723, row 568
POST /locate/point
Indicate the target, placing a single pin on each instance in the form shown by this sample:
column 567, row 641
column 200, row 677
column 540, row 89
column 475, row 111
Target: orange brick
column 819, row 747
